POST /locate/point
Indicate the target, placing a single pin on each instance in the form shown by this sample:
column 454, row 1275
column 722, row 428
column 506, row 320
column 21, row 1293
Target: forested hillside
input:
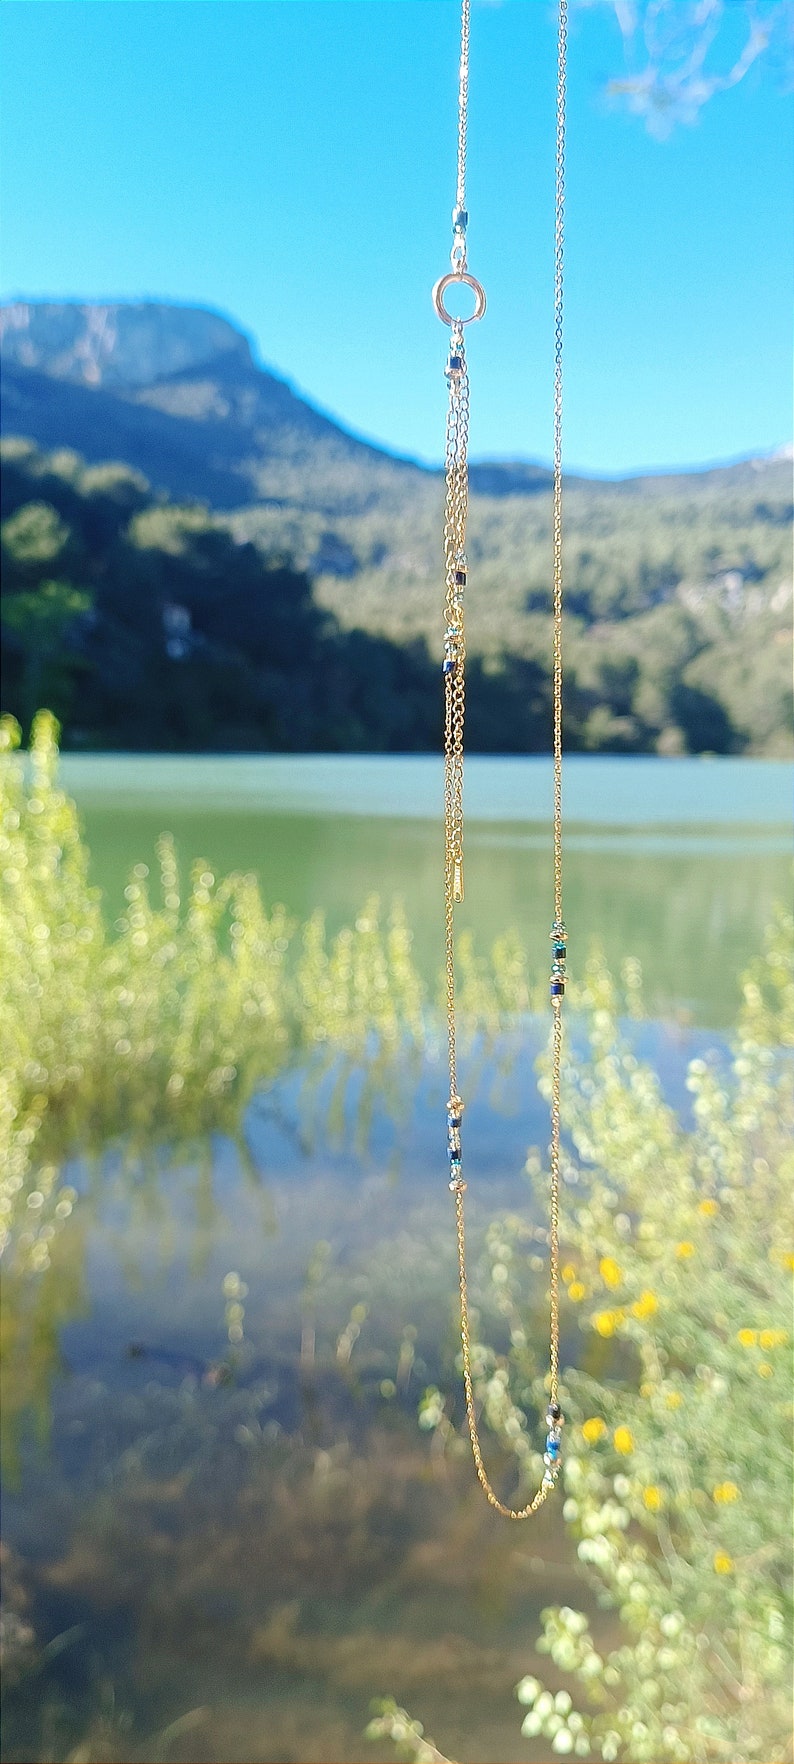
column 149, row 624
column 678, row 597
column 143, row 624
column 254, row 576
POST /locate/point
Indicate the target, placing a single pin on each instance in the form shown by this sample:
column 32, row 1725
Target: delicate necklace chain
column 463, row 103
column 456, row 572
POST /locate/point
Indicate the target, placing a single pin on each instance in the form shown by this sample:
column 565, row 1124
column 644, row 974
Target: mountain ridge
column 677, row 585
column 219, row 418
column 215, row 425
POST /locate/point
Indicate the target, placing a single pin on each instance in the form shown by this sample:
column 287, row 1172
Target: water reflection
column 677, row 863
column 225, row 1532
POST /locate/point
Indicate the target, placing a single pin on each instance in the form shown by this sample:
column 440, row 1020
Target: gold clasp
column 444, row 282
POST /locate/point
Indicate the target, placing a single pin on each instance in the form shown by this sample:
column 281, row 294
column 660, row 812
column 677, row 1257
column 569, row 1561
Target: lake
column 675, row 862
column 226, row 1532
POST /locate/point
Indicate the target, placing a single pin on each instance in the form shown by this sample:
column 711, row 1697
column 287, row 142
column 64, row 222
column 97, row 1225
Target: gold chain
column 455, row 513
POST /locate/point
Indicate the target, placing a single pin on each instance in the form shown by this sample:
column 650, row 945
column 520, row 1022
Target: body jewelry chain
column 456, row 508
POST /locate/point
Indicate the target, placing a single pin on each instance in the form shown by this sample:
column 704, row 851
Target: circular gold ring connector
column 444, row 282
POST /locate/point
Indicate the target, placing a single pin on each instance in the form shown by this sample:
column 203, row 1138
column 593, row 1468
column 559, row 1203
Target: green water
column 224, row 1551
column 675, row 862
column 221, row 1549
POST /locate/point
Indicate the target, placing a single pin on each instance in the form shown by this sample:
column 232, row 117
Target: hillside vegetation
column 143, row 624
column 677, row 592
column 151, row 624
column 253, row 576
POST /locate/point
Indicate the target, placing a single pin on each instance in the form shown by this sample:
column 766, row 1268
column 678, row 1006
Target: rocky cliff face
column 175, row 391
column 120, row 344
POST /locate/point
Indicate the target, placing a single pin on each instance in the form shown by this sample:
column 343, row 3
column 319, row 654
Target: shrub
column 675, row 1265
column 676, row 1271
column 162, row 1032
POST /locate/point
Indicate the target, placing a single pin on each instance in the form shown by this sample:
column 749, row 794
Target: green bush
column 164, row 1031
column 676, row 1475
column 676, row 1261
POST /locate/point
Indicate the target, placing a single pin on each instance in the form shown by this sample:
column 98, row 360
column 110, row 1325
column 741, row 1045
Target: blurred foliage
column 676, row 1267
column 671, row 583
column 678, row 57
column 164, row 632
column 270, row 629
column 39, row 622
column 675, row 1264
column 408, row 1735
column 163, row 1031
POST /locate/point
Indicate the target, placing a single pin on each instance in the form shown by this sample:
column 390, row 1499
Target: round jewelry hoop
column 444, row 283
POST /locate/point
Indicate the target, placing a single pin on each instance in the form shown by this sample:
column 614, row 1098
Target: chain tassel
column 455, row 515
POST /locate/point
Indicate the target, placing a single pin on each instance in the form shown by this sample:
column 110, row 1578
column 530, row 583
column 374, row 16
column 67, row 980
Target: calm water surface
column 221, row 1549
column 676, row 862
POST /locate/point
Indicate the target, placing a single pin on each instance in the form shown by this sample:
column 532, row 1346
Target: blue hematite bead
column 453, row 1120
column 560, row 950
column 460, row 578
column 557, row 988
column 455, row 364
column 454, row 1161
column 552, row 1449
column 448, row 666
column 460, row 218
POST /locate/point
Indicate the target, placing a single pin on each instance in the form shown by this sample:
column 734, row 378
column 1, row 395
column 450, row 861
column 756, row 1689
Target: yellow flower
column 604, row 1322
column 647, row 1389
column 708, row 1208
column 576, row 1291
column 673, row 1399
column 610, row 1273
column 764, row 1370
column 594, row 1429
column 568, row 1272
column 685, row 1249
column 770, row 1338
column 788, row 1261
column 723, row 1563
column 653, row 1498
column 624, row 1440
column 724, row 1492
column 645, row 1305
column 747, row 1337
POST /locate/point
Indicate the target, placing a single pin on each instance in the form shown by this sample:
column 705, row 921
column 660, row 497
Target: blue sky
column 291, row 163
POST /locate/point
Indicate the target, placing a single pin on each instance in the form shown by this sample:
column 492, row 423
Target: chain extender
column 456, row 572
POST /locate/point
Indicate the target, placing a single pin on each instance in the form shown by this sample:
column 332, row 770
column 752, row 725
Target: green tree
column 34, row 536
column 38, row 624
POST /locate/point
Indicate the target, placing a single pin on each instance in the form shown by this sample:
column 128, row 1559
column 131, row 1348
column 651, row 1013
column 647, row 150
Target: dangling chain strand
column 455, row 514
column 463, row 104
column 558, row 930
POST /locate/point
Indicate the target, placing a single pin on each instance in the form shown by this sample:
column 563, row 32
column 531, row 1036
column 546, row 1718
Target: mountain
column 145, row 625
column 175, row 392
column 130, row 344
column 677, row 585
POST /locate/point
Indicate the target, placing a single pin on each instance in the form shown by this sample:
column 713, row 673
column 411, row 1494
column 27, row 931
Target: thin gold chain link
column 463, row 102
column 456, row 572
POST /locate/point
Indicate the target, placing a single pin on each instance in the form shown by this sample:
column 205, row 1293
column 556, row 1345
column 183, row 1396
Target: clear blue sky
column 291, row 163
